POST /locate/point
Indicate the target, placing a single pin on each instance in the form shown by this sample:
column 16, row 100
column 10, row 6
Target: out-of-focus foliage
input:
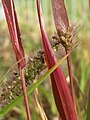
column 78, row 11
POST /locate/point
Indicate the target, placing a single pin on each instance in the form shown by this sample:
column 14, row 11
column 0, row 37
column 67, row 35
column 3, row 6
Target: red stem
column 71, row 78
column 25, row 94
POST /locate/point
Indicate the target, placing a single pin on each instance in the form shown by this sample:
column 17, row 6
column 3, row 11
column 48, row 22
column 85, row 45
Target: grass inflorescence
column 12, row 88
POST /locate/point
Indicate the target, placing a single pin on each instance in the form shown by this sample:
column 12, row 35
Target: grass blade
column 14, row 30
column 60, row 14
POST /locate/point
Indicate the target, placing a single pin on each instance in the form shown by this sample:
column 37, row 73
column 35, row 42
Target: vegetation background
column 79, row 14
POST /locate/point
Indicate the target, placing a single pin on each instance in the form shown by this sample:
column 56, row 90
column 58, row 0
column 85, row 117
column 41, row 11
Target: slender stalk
column 25, row 94
column 71, row 78
column 39, row 103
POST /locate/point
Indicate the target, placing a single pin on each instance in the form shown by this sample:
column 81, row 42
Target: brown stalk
column 39, row 103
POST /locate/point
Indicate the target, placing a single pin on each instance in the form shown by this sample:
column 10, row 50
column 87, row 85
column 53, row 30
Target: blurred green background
column 78, row 12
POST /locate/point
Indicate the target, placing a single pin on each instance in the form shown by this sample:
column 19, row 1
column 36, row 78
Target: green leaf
column 31, row 89
column 88, row 106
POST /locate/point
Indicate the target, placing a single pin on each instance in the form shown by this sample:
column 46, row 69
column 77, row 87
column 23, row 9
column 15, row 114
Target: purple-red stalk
column 62, row 24
column 13, row 26
column 60, row 88
column 71, row 78
column 25, row 94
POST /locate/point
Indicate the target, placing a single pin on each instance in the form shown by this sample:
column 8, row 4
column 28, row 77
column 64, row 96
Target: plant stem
column 39, row 103
column 25, row 94
column 71, row 78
